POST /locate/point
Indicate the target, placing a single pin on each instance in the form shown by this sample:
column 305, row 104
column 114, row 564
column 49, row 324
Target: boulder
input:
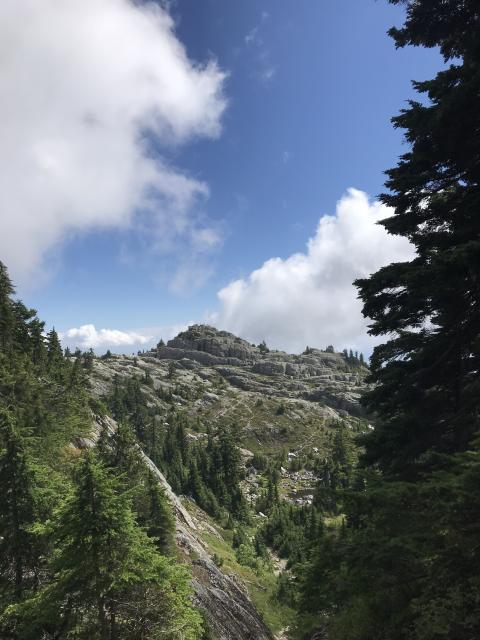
column 269, row 368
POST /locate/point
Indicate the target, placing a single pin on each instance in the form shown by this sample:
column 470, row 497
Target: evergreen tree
column 109, row 581
column 263, row 347
column 39, row 351
column 76, row 373
column 88, row 359
column 182, row 442
column 158, row 519
column 425, row 393
column 7, row 318
column 55, row 358
column 153, row 443
column 18, row 511
column 406, row 566
column 23, row 320
column 124, row 454
column 171, row 370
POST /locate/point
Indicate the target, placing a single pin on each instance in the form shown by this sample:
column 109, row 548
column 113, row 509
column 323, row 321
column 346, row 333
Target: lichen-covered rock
column 269, row 367
column 217, row 343
column 204, row 354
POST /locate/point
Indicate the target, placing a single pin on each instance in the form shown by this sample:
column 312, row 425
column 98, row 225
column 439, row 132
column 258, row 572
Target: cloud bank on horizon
column 87, row 336
column 85, row 87
column 308, row 298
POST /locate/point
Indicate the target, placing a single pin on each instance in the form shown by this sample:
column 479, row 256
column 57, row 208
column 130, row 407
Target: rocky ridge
column 273, row 400
column 314, row 375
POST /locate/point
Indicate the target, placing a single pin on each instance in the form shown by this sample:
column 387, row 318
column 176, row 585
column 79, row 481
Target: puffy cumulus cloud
column 87, row 336
column 90, row 93
column 308, row 298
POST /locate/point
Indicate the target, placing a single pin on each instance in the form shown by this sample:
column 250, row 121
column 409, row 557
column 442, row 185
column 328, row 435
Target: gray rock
column 225, row 602
column 223, row 380
column 269, row 368
column 217, row 343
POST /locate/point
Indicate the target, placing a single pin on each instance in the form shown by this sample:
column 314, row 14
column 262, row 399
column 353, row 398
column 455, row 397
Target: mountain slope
column 273, row 398
column 274, row 404
column 228, row 610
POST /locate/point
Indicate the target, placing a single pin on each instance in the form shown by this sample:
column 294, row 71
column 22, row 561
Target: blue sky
column 305, row 93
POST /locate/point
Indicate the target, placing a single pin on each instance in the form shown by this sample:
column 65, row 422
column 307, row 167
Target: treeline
column 353, row 358
column 85, row 538
column 207, row 467
column 288, row 529
column 406, row 563
column 293, row 531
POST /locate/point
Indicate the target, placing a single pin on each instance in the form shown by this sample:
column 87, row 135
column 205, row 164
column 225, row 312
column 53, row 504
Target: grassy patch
column 261, row 587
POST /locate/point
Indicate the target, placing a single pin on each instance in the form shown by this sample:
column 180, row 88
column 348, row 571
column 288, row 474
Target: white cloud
column 308, row 298
column 87, row 336
column 84, row 86
column 191, row 274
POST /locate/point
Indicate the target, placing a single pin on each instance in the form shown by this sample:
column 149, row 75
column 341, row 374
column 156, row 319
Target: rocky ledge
column 315, row 375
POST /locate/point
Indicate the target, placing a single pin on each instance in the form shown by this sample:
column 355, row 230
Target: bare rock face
column 224, row 601
column 320, row 376
column 269, row 367
column 220, row 344
column 338, row 398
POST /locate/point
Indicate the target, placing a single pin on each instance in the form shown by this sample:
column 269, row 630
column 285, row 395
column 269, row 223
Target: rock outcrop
column 273, row 400
column 224, row 601
column 200, row 337
column 217, row 378
column 319, row 376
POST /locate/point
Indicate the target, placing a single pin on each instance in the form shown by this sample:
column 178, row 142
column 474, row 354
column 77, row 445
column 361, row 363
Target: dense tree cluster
column 354, row 358
column 336, row 471
column 207, row 468
column 407, row 565
column 263, row 347
column 291, row 531
column 85, row 538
